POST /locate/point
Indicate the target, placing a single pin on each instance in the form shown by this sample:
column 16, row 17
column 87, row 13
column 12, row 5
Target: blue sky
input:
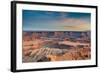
column 55, row 21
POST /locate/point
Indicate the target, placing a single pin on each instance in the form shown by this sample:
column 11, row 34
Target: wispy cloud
column 83, row 27
column 75, row 25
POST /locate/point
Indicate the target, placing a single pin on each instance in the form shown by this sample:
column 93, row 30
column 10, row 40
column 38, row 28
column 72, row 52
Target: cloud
column 80, row 27
column 75, row 24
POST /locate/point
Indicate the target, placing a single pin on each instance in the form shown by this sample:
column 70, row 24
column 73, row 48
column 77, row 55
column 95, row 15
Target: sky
column 33, row 20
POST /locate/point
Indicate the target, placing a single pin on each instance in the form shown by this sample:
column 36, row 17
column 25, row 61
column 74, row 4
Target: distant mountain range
column 59, row 34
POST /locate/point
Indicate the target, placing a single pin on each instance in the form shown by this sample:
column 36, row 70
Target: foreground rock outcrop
column 53, row 54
